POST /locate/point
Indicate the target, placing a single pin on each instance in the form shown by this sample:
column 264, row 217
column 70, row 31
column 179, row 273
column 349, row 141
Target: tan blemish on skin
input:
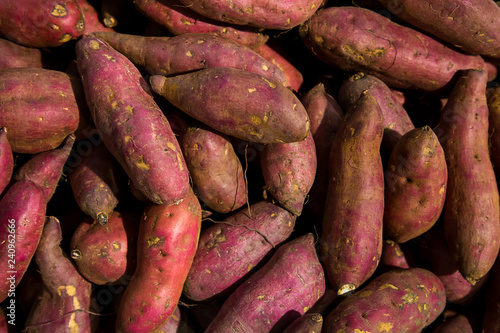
column 116, row 246
column 256, row 120
column 179, row 161
column 251, row 90
column 41, row 119
column 410, row 297
column 201, row 41
column 61, row 94
column 272, row 85
column 258, row 135
column 360, row 331
column 130, row 109
column 141, row 164
column 426, row 151
column 261, row 297
column 59, row 11
column 110, row 57
column 127, row 138
column 384, row 327
column 153, row 241
column 189, row 53
column 114, row 104
column 250, row 266
column 70, row 290
column 94, row 45
column 54, row 27
column 72, row 325
column 388, row 285
column 423, row 308
column 264, row 67
column 441, row 190
column 171, row 146
column 306, row 308
column 365, row 293
column 65, row 38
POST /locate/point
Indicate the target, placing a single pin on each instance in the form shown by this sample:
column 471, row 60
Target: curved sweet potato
column 6, row 160
column 14, row 55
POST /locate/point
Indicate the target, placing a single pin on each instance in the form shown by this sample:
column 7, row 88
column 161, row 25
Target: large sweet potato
column 14, row 55
column 6, row 160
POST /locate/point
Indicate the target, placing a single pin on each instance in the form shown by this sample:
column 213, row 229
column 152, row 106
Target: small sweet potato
column 271, row 112
column 277, row 294
column 395, row 255
column 308, row 323
column 6, row 160
column 14, row 55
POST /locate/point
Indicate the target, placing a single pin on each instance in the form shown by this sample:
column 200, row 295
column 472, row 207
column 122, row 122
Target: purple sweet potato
column 403, row 300
column 233, row 247
column 39, row 108
column 277, row 294
column 64, row 302
column 167, row 242
column 289, row 170
column 179, row 19
column 95, row 184
column 358, row 39
column 264, row 14
column 352, row 250
column 14, row 55
column 491, row 318
column 130, row 123
column 214, row 167
column 308, row 323
column 415, row 185
column 493, row 98
column 271, row 113
column 189, row 52
column 474, row 29
column 395, row 255
column 41, row 23
column 6, row 160
column 472, row 209
column 91, row 18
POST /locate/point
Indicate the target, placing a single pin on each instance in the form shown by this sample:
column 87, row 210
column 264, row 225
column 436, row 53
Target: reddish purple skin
column 344, row 37
column 15, row 55
column 230, row 249
column 91, row 18
column 94, row 183
column 65, row 290
column 456, row 324
column 289, row 170
column 491, row 318
column 472, row 210
column 172, row 324
column 415, row 185
column 185, row 53
column 130, row 123
column 46, row 168
column 271, row 113
column 41, row 23
column 179, row 19
column 352, row 250
column 405, row 300
column 493, row 99
column 39, row 108
column 308, row 323
column 277, row 294
column 394, row 256
column 6, row 160
column 24, row 203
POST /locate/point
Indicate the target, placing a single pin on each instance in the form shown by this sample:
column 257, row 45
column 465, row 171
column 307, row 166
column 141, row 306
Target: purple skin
column 289, row 170
column 171, row 56
column 179, row 19
column 343, row 37
column 393, row 255
column 65, row 290
column 277, row 294
column 130, row 123
column 6, row 160
column 352, row 250
column 230, row 249
column 15, row 55
column 308, row 323
column 271, row 113
column 471, row 212
column 387, row 303
column 25, row 205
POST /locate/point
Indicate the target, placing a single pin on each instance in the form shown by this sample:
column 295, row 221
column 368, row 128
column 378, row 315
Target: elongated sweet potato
column 271, row 113
column 41, row 23
column 167, row 242
column 233, row 247
column 472, row 209
column 6, row 160
column 358, row 39
column 130, row 123
column 351, row 250
column 14, row 55
column 277, row 294
column 308, row 323
column 405, row 300
column 64, row 302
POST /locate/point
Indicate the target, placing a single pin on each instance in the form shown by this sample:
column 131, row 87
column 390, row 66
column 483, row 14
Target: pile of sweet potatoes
column 249, row 166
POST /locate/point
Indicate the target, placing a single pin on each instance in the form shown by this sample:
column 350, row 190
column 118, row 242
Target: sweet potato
column 472, row 209
column 104, row 254
column 277, row 294
column 456, row 324
column 308, row 323
column 95, row 184
column 358, row 39
column 404, row 300
column 474, row 29
column 14, row 55
column 91, row 18
column 233, row 247
column 491, row 318
column 280, row 15
column 351, row 250
column 271, row 113
column 179, row 19
column 289, row 170
column 214, row 167
column 64, row 302
column 41, row 23
column 39, row 108
column 130, row 123
column 167, row 242
column 6, row 160
column 189, row 52
column 415, row 185
column 493, row 99
column 395, row 255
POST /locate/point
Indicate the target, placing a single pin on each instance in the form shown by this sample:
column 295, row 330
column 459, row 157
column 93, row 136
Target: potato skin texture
column 351, row 249
column 277, row 294
column 6, row 160
column 472, row 210
column 39, row 108
column 167, row 242
column 15, row 55
column 387, row 303
column 230, row 249
column 344, row 37
column 271, row 113
column 130, row 123
column 308, row 323
column 493, row 99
